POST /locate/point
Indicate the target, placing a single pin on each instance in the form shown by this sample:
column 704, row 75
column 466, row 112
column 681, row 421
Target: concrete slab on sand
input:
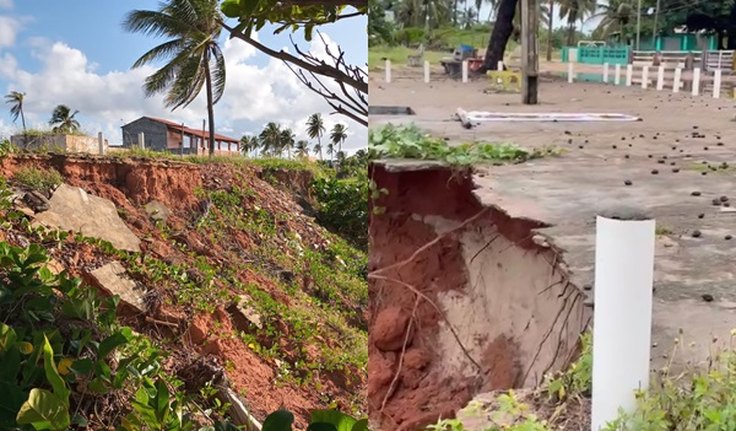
column 662, row 158
column 71, row 208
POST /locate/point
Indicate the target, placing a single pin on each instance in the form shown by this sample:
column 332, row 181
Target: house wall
column 62, row 143
column 155, row 134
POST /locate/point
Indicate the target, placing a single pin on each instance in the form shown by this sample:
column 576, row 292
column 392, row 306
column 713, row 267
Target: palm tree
column 270, row 139
column 248, row 143
column 315, row 130
column 193, row 55
column 338, row 135
column 614, row 15
column 63, row 120
column 574, row 11
column 15, row 100
column 330, row 150
column 287, row 141
column 302, row 149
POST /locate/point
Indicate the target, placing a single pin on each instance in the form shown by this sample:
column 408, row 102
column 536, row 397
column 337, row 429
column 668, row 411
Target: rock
column 390, row 328
column 244, row 315
column 113, row 280
column 285, row 275
column 696, row 233
column 707, row 297
column 55, row 266
column 36, row 201
column 73, row 209
column 157, row 211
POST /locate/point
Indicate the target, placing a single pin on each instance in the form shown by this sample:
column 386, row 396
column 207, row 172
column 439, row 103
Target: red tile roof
column 177, row 127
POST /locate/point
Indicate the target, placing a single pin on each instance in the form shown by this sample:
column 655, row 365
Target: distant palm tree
column 315, row 130
column 330, row 150
column 287, row 141
column 574, row 11
column 302, row 149
column 270, row 139
column 15, row 100
column 613, row 16
column 338, row 135
column 63, row 120
column 248, row 143
column 194, row 57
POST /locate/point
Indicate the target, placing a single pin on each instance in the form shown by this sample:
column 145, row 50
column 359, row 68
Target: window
column 187, row 141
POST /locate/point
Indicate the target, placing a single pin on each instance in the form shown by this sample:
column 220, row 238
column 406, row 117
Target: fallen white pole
column 605, row 73
column 617, row 75
column 696, row 81
column 677, row 83
column 629, row 74
column 624, row 275
column 660, row 78
column 426, row 72
column 570, row 71
column 499, row 66
column 388, row 70
column 465, row 71
column 717, row 84
column 644, row 76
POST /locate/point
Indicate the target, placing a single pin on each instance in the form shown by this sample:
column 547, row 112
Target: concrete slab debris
column 113, row 279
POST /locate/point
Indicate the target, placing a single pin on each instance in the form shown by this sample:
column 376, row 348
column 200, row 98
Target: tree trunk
column 549, row 30
column 23, row 120
column 210, row 106
column 502, row 29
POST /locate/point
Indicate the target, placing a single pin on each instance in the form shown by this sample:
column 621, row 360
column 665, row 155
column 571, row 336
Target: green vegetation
column 41, row 180
column 408, row 142
column 321, row 420
column 63, row 121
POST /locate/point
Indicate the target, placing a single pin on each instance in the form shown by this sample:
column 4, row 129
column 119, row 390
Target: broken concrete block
column 157, row 211
column 113, row 279
column 71, row 208
column 244, row 315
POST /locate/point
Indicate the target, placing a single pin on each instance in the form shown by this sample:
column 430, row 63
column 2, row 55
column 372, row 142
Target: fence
column 596, row 55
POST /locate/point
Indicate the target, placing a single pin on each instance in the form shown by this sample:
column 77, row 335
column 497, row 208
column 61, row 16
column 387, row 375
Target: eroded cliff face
column 463, row 298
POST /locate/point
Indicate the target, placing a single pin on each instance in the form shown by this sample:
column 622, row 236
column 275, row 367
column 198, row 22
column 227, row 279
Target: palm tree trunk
column 549, row 30
column 210, row 105
column 502, row 29
column 319, row 142
column 23, row 120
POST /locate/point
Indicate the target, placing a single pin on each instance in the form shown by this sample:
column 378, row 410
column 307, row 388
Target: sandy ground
column 695, row 277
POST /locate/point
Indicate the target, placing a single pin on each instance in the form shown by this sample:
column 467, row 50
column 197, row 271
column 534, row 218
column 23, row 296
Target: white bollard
column 499, row 66
column 465, row 71
column 717, row 84
column 660, row 78
column 677, row 83
column 696, row 81
column 142, row 141
column 644, row 76
column 570, row 72
column 100, row 144
column 624, row 276
column 629, row 74
column 605, row 73
column 426, row 72
column 388, row 70
column 617, row 75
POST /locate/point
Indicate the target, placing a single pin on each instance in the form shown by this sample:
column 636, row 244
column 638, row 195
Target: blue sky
column 75, row 52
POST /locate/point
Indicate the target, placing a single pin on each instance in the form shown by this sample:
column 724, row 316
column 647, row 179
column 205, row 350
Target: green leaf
column 44, row 411
column 161, row 401
column 321, row 426
column 280, row 420
column 110, row 343
column 82, row 366
column 7, row 337
column 340, row 421
column 52, row 374
column 231, row 8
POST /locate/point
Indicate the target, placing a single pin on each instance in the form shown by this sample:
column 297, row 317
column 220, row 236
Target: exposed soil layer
column 495, row 309
column 239, row 257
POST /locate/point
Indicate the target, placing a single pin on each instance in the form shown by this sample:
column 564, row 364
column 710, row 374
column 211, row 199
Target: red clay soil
column 420, row 394
column 130, row 184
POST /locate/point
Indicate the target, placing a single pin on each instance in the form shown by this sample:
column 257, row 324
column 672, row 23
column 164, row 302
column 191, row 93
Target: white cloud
column 6, row 4
column 9, row 28
column 254, row 95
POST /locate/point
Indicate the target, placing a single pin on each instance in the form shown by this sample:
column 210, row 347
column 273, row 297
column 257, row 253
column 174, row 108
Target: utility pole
column 638, row 24
column 656, row 18
column 529, row 54
column 549, row 31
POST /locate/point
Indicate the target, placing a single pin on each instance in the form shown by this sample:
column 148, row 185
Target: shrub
column 343, row 207
column 41, row 180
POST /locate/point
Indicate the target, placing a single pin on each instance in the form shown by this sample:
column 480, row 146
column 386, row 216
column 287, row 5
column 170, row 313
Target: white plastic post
column 465, row 71
column 624, row 276
column 499, row 66
column 617, row 75
column 696, row 81
column 644, row 76
column 388, row 71
column 717, row 84
column 570, row 72
column 605, row 73
column 660, row 78
column 629, row 74
column 426, row 72
column 100, row 144
column 677, row 83
column 142, row 140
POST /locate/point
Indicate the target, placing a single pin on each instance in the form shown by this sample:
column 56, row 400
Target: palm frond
column 166, row 50
column 217, row 71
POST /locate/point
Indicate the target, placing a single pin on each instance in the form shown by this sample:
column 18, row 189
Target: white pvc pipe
column 605, row 73
column 717, row 84
column 499, row 66
column 660, row 78
column 388, row 70
column 570, row 72
column 426, row 72
column 696, row 81
column 676, row 84
column 624, row 276
column 100, row 144
column 617, row 75
column 644, row 76
column 465, row 70
column 629, row 74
